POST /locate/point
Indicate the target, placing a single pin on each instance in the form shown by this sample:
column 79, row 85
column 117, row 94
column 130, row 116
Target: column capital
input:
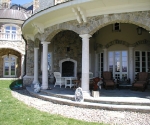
column 85, row 36
column 44, row 42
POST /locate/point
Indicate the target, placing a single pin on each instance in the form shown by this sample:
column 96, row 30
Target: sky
column 21, row 2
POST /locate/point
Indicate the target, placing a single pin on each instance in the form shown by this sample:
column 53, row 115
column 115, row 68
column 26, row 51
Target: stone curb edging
column 112, row 107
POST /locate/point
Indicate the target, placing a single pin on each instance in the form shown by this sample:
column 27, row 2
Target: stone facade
column 30, row 59
column 141, row 19
column 63, row 40
column 17, row 45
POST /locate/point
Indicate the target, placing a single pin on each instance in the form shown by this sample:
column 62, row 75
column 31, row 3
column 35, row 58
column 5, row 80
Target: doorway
column 9, row 67
column 118, row 64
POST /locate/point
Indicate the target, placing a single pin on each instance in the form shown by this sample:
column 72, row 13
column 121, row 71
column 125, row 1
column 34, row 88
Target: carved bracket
column 39, row 27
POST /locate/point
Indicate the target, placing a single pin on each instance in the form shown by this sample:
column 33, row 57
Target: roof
column 13, row 14
column 27, row 5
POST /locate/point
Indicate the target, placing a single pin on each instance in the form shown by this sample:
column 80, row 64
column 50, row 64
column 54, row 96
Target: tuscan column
column 105, row 60
column 131, row 64
column 44, row 67
column 22, row 66
column 35, row 66
column 85, row 64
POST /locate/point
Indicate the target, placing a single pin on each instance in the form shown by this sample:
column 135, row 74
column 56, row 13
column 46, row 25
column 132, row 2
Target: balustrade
column 10, row 36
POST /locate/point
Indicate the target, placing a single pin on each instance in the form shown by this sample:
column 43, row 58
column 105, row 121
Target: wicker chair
column 108, row 80
column 141, row 81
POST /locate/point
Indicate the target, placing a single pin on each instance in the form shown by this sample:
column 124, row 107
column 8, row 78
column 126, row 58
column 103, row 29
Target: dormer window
column 116, row 27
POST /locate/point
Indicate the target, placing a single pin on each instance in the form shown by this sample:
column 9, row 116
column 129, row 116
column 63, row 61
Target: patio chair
column 108, row 80
column 141, row 81
column 59, row 80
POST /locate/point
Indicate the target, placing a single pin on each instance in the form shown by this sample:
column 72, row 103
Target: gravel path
column 90, row 115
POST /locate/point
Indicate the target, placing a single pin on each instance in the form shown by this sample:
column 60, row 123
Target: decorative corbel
column 83, row 15
column 77, row 15
column 39, row 27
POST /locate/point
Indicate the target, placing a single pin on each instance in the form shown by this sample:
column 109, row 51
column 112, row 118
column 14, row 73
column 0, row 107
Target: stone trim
column 141, row 18
column 141, row 42
column 117, row 42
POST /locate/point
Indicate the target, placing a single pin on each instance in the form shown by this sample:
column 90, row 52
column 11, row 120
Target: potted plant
column 95, row 87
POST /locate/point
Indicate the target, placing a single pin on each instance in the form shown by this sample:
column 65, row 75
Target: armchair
column 108, row 80
column 141, row 81
column 59, row 80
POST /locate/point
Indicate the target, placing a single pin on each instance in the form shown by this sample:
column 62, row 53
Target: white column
column 105, row 60
column 44, row 67
column 85, row 64
column 35, row 66
column 131, row 65
column 22, row 66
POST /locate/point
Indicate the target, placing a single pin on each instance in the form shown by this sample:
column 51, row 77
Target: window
column 116, row 27
column 142, row 61
column 10, row 32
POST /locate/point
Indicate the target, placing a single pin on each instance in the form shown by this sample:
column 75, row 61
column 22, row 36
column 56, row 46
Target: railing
column 10, row 36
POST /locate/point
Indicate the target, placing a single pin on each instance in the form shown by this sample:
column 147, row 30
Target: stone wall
column 63, row 40
column 30, row 58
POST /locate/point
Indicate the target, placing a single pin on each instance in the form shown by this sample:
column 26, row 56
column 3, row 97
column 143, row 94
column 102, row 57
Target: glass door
column 118, row 64
column 9, row 66
column 142, row 61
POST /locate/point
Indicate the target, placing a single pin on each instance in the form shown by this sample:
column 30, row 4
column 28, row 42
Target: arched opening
column 10, row 63
column 117, row 51
column 66, row 45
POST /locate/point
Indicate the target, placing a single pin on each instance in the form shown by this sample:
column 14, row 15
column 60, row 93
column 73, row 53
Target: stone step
column 89, row 104
column 96, row 100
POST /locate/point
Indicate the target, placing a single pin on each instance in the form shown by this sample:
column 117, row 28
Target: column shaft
column 85, row 64
column 35, row 66
column 45, row 66
column 22, row 66
column 131, row 65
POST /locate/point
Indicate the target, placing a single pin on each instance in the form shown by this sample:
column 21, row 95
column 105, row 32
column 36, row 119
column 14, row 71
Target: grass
column 14, row 112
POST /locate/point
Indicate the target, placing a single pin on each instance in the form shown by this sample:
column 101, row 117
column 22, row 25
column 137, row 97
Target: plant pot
column 95, row 94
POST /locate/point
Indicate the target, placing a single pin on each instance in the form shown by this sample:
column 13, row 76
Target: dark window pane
column 137, row 53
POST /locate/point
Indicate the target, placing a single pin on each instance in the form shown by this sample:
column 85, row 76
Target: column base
column 35, row 81
column 44, row 87
column 27, row 80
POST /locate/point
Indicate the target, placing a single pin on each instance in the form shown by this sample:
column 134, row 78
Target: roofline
column 11, row 20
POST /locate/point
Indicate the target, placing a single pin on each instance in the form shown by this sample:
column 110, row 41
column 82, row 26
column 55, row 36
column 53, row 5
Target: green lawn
column 14, row 112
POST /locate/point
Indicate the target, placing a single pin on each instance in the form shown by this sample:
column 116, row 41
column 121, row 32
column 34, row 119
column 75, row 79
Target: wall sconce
column 139, row 31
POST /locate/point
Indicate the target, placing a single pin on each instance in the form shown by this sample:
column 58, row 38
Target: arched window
column 9, row 67
column 10, row 32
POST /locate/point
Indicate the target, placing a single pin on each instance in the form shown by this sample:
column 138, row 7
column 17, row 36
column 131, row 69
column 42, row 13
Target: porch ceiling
column 63, row 12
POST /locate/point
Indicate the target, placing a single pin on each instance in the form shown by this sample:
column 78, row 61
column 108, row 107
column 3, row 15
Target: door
column 9, row 66
column 118, row 64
